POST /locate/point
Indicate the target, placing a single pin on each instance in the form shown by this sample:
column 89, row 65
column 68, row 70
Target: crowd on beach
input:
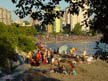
column 62, row 63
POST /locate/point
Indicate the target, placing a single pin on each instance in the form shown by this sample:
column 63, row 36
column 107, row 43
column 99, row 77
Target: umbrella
column 63, row 49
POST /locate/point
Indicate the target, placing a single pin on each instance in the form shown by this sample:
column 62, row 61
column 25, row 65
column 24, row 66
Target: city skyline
column 5, row 16
column 7, row 4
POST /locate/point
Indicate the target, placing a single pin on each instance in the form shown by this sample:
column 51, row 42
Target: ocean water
column 89, row 46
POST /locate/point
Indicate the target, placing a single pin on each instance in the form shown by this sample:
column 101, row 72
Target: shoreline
column 68, row 39
column 75, row 41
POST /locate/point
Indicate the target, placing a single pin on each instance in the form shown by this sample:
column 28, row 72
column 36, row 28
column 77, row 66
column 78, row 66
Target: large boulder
column 23, row 67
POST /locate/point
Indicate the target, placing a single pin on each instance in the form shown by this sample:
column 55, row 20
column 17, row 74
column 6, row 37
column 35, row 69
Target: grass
column 97, row 71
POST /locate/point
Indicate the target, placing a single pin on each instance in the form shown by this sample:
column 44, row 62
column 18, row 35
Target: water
column 89, row 46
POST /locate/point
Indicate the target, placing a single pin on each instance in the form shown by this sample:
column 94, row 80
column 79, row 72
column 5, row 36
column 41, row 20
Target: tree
column 6, row 52
column 98, row 11
column 99, row 23
column 77, row 29
column 12, row 37
column 44, row 9
column 26, row 43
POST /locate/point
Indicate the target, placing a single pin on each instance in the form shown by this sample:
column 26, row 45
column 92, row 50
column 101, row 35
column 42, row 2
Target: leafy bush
column 12, row 37
column 6, row 52
column 92, row 32
column 26, row 43
column 77, row 29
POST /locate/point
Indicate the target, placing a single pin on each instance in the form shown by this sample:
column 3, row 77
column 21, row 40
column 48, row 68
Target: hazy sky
column 10, row 6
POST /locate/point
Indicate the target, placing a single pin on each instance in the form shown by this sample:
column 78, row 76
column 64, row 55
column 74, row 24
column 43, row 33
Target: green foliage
column 27, row 30
column 67, row 29
column 26, row 43
column 12, row 37
column 98, row 10
column 77, row 29
column 6, row 52
column 92, row 32
column 45, row 8
column 3, row 28
column 30, row 31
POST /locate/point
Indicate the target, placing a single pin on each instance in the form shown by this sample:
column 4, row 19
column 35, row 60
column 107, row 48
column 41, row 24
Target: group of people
column 44, row 55
column 84, row 57
column 40, row 56
column 68, row 68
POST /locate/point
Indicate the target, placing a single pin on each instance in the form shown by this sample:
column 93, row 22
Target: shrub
column 77, row 29
column 12, row 37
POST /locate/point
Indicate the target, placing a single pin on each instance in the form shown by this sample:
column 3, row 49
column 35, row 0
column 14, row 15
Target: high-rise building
column 72, row 19
column 67, row 19
column 5, row 16
column 57, row 22
column 67, row 16
column 49, row 28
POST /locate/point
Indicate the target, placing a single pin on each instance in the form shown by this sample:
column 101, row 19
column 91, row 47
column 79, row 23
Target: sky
column 7, row 4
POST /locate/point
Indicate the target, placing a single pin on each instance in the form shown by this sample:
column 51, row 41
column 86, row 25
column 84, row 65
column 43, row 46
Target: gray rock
column 23, row 67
